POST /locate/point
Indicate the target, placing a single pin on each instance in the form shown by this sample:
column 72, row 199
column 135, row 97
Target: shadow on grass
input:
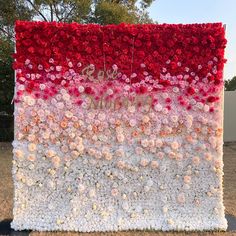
column 5, row 229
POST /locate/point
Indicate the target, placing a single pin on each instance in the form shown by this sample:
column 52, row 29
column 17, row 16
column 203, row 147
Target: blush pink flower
column 160, row 155
column 181, row 198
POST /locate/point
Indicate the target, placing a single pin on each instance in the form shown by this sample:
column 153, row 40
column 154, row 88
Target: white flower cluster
column 101, row 170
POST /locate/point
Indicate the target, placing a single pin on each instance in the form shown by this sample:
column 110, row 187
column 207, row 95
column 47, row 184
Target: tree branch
column 5, row 32
column 35, row 8
column 56, row 11
column 65, row 18
column 51, row 11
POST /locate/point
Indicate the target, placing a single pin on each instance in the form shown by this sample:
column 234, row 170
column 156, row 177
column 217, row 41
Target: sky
column 202, row 11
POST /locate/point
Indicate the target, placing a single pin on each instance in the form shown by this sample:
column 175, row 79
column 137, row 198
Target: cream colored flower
column 144, row 143
column 101, row 116
column 66, row 97
column 68, row 114
column 131, row 109
column 174, row 118
column 132, row 122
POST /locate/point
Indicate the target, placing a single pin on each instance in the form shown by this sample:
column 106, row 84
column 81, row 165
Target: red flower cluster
column 143, row 50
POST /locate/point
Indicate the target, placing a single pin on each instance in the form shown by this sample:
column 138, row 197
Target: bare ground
column 6, row 195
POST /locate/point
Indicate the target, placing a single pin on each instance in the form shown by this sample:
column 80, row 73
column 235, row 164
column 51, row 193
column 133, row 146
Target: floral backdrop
column 118, row 127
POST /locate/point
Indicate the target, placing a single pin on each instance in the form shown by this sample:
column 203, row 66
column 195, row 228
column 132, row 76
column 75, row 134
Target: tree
column 82, row 11
column 230, row 85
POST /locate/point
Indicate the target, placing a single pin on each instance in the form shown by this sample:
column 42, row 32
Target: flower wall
column 118, row 127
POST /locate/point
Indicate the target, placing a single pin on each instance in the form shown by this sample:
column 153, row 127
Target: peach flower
column 75, row 154
column 63, row 124
column 179, row 156
column 196, row 160
column 32, row 147
column 154, row 164
column 145, row 119
column 31, row 157
column 175, row 145
column 114, row 192
column 50, row 153
column 208, row 156
column 120, row 164
column 172, row 155
column 217, row 163
column 19, row 153
column 187, row 179
column 56, row 161
column 91, row 151
column 107, row 156
column 144, row 162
